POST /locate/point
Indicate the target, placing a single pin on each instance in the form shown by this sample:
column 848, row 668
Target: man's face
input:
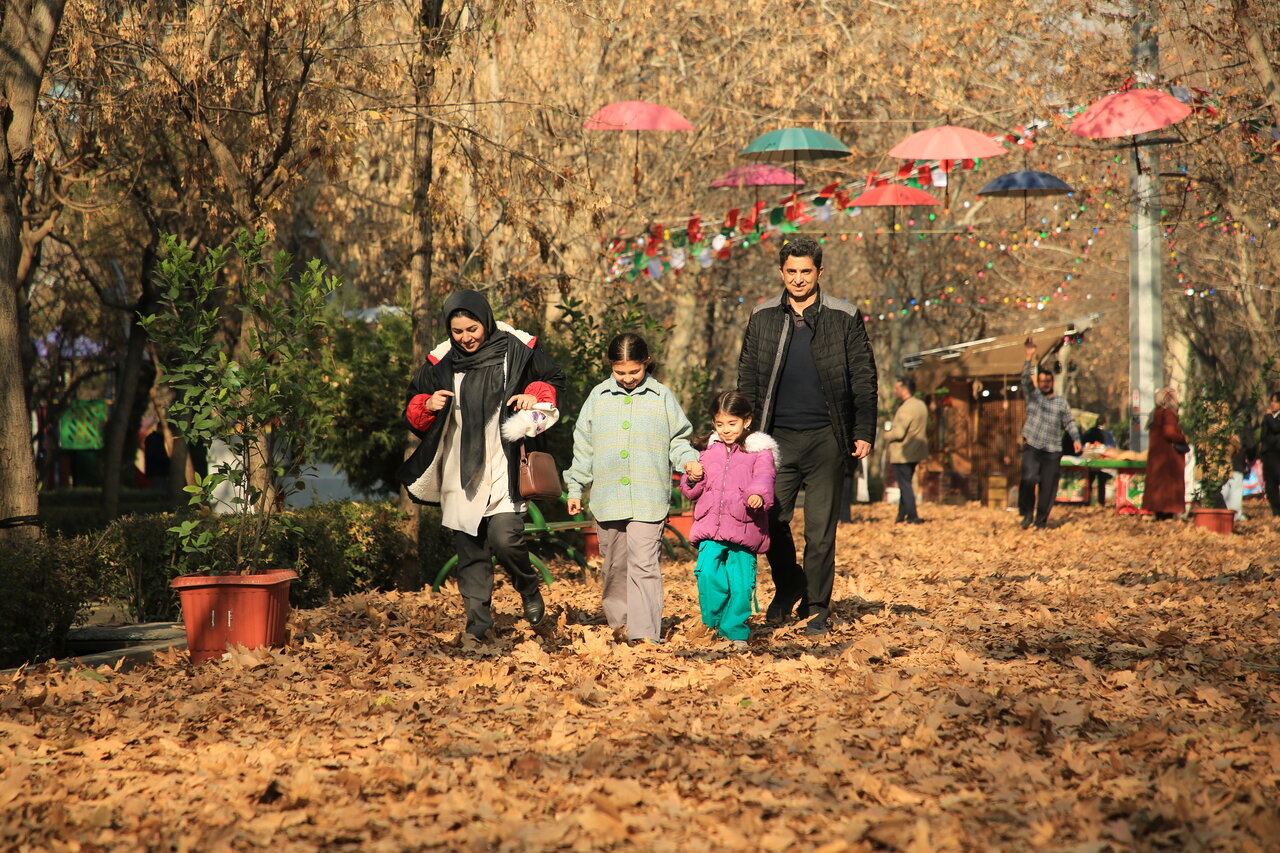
column 800, row 277
column 1045, row 383
column 901, row 391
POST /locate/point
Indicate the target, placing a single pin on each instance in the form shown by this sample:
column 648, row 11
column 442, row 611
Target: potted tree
column 257, row 401
column 1212, row 430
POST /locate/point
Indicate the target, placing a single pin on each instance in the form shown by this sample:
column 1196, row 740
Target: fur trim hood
column 754, row 443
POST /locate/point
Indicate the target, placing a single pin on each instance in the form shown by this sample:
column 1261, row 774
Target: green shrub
column 45, row 586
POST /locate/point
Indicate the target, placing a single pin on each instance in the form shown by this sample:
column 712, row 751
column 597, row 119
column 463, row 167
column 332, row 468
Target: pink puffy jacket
column 731, row 475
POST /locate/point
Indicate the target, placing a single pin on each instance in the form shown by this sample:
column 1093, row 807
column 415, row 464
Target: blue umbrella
column 1025, row 182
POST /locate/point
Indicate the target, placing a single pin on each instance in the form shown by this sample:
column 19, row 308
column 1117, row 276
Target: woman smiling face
column 467, row 332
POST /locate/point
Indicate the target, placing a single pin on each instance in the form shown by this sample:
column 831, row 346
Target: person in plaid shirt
column 1048, row 416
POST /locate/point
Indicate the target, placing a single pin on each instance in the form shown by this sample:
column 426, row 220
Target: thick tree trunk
column 25, row 38
column 421, row 306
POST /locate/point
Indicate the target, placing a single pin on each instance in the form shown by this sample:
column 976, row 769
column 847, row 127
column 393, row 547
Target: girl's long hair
column 628, row 346
column 732, row 403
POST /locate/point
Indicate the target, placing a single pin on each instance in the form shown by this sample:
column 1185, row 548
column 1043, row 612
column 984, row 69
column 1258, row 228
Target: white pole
column 1146, row 319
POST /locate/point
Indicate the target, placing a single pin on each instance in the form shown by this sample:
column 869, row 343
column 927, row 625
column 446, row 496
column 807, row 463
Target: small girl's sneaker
column 739, row 645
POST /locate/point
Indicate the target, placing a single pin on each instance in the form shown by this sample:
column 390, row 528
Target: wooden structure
column 976, row 410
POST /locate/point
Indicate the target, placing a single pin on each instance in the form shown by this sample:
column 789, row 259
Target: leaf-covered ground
column 1108, row 684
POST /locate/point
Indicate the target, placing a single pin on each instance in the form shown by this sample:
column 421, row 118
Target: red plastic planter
column 1215, row 520
column 221, row 610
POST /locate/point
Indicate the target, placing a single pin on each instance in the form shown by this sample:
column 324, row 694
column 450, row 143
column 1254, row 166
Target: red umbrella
column 893, row 195
column 1129, row 113
column 636, row 116
column 947, row 143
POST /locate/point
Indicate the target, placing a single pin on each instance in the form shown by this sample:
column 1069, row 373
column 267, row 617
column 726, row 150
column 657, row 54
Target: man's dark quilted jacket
column 841, row 351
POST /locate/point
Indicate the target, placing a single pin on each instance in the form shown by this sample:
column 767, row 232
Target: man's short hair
column 909, row 383
column 1044, row 371
column 801, row 247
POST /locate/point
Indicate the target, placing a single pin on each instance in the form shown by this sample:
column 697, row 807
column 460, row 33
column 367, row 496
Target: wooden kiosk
column 976, row 411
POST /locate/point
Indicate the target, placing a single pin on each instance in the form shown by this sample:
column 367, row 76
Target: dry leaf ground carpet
column 1107, row 684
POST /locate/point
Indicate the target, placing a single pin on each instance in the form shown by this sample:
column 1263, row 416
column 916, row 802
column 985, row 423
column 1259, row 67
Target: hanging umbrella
column 1025, row 182
column 1129, row 113
column 947, row 143
column 636, row 116
column 795, row 144
column 757, row 175
column 894, row 196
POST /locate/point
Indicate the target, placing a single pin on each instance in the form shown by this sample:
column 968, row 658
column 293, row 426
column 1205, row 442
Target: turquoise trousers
column 726, row 576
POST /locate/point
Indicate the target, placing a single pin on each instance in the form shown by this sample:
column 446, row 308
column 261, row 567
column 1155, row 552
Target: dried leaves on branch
column 1108, row 684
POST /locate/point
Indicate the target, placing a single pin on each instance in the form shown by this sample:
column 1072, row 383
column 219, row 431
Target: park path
column 1108, row 684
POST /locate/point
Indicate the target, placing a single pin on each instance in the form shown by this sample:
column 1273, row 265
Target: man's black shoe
column 779, row 610
column 1026, row 521
column 915, row 521
column 534, row 608
column 818, row 627
column 1041, row 525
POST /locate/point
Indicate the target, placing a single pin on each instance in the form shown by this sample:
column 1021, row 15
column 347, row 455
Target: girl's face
column 1275, row 405
column 469, row 334
column 730, row 427
column 629, row 374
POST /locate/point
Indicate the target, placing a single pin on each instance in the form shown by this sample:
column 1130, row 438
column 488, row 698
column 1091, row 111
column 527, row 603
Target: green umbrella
column 794, row 144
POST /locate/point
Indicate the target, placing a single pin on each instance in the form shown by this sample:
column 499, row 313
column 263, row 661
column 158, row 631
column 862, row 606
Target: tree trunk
column 421, row 307
column 119, row 423
column 25, row 38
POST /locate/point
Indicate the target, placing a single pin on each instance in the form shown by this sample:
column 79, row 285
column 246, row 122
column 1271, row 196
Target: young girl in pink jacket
column 732, row 495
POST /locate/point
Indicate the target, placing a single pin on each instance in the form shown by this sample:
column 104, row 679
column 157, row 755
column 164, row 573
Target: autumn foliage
column 1109, row 684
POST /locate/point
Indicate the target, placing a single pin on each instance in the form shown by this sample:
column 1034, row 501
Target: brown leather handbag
column 539, row 476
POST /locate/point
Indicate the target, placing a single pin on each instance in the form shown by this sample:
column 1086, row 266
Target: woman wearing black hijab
column 479, row 393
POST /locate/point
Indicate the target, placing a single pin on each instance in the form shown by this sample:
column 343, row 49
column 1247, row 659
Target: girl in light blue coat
column 630, row 435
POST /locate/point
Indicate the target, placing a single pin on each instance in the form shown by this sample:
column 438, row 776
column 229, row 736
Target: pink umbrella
column 636, row 116
column 947, row 143
column 1129, row 113
column 757, row 175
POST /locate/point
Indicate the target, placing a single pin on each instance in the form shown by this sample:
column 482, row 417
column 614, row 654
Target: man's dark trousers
column 1271, row 480
column 811, row 458
column 501, row 536
column 902, row 474
column 1039, row 467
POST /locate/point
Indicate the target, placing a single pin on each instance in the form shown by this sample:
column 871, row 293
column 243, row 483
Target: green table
column 1077, row 487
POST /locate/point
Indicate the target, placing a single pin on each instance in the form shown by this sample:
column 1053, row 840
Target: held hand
column 438, row 400
column 694, row 471
column 522, row 402
column 1078, row 446
column 1030, row 350
column 861, row 449
column 755, row 501
column 575, row 506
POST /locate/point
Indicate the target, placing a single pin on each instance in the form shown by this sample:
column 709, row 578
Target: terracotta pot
column 681, row 523
column 246, row 610
column 1215, row 520
column 590, row 543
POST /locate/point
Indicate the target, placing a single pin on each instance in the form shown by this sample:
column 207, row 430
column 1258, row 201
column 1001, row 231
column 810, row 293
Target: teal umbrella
column 794, row 144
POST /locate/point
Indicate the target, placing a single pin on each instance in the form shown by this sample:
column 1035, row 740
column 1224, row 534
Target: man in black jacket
column 807, row 365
